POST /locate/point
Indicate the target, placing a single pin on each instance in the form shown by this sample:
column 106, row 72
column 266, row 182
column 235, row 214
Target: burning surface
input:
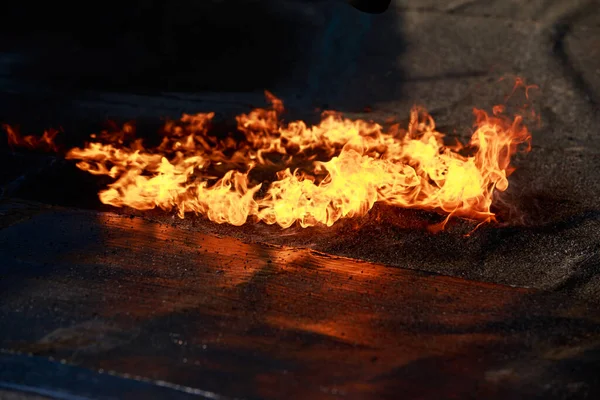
column 45, row 142
column 337, row 169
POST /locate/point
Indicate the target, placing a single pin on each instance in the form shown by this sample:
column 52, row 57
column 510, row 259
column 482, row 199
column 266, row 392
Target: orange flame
column 364, row 164
column 45, row 142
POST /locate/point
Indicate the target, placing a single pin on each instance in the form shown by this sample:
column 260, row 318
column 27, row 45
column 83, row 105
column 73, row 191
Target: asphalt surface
column 447, row 56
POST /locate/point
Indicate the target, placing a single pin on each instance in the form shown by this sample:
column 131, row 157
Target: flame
column 45, row 142
column 336, row 169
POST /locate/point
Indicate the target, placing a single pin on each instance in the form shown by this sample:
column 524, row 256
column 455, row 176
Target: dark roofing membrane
column 257, row 312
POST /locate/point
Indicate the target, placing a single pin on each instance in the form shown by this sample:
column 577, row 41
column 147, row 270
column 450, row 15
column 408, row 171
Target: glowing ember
column 348, row 166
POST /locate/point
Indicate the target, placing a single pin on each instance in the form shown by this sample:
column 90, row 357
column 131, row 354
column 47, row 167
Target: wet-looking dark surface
column 102, row 302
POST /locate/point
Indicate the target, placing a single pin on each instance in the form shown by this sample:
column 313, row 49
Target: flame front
column 346, row 166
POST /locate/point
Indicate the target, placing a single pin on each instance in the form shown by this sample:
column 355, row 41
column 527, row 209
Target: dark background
column 197, row 45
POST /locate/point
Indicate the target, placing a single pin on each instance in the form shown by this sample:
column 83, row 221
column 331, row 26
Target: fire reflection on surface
column 294, row 290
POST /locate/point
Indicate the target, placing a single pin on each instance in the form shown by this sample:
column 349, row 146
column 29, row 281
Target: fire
column 45, row 142
column 337, row 169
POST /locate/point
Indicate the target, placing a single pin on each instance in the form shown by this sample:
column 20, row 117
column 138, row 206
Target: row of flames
column 193, row 171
